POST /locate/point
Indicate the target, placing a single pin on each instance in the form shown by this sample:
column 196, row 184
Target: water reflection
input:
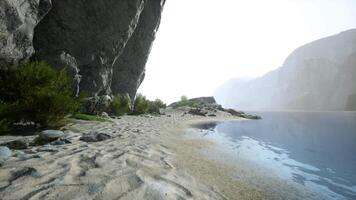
column 316, row 150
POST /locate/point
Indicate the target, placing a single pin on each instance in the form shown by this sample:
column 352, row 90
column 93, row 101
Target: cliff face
column 316, row 76
column 104, row 43
column 18, row 19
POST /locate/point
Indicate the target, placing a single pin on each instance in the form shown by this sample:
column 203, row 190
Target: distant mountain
column 317, row 76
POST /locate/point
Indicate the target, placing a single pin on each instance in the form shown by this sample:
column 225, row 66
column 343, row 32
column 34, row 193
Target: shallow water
column 316, row 150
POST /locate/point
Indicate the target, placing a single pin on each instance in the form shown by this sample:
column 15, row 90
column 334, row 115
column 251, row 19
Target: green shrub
column 153, row 108
column 159, row 103
column 120, row 105
column 144, row 106
column 140, row 105
column 184, row 99
column 35, row 92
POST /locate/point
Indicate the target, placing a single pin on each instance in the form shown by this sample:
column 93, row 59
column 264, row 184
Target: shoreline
column 219, row 170
column 148, row 157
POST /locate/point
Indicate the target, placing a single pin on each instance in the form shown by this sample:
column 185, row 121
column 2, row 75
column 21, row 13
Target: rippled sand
column 148, row 157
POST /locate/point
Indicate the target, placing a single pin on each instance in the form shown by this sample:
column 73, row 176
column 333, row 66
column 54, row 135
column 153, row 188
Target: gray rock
column 201, row 102
column 95, row 137
column 198, row 111
column 5, row 153
column 60, row 141
column 17, row 144
column 129, row 70
column 234, row 112
column 205, row 100
column 249, row 116
column 110, row 41
column 241, row 114
column 96, row 105
column 18, row 19
column 51, row 135
column 105, row 115
column 48, row 136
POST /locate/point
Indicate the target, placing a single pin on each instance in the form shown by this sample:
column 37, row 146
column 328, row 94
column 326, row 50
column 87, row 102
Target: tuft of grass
column 90, row 118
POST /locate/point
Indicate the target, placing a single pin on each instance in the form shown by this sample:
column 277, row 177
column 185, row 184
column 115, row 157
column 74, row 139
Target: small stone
column 105, row 115
column 57, row 142
column 36, row 156
column 61, row 141
column 95, row 137
column 17, row 144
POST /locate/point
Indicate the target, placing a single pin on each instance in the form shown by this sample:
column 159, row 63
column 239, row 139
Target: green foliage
column 35, row 92
column 4, row 124
column 144, row 106
column 159, row 103
column 140, row 105
column 120, row 105
column 183, row 99
column 90, row 117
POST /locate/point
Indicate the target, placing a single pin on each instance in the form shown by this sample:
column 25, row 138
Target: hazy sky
column 203, row 43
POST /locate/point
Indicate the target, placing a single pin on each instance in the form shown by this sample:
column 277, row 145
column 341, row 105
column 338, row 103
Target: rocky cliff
column 104, row 43
column 317, row 76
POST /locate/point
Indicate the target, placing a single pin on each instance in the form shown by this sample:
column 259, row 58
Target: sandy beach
column 148, row 157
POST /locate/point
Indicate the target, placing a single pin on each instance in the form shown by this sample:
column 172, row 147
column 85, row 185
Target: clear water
column 314, row 149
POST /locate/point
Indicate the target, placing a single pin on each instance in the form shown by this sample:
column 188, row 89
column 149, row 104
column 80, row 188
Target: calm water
column 315, row 150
